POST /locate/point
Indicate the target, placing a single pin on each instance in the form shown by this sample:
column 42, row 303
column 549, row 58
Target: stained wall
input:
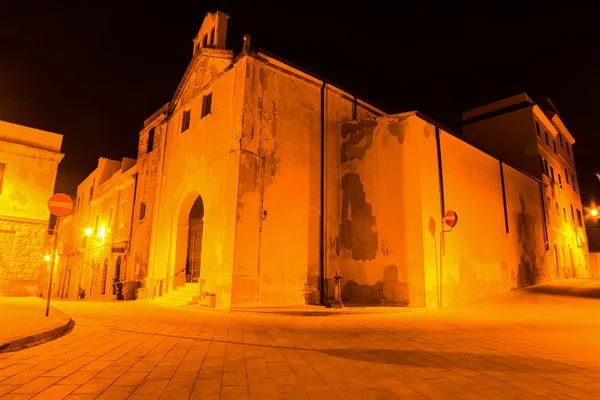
column 391, row 244
column 278, row 233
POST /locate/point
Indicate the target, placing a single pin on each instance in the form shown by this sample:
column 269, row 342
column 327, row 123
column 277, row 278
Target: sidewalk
column 23, row 323
column 573, row 287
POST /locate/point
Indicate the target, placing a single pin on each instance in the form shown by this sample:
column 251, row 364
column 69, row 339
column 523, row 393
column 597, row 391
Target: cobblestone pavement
column 518, row 347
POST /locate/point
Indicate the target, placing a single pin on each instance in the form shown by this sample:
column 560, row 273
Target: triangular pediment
column 205, row 66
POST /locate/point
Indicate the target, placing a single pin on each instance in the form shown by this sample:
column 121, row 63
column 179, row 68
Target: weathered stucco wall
column 277, row 254
column 391, row 245
column 202, row 161
column 149, row 164
column 380, row 240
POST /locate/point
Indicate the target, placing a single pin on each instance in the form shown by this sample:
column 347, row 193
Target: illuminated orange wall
column 390, row 245
column 277, row 259
column 202, row 161
column 30, row 159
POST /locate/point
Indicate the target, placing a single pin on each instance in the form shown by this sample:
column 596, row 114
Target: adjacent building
column 94, row 240
column 29, row 160
column 532, row 137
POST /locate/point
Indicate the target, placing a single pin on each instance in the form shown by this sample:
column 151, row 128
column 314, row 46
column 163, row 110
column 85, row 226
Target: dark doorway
column 104, row 273
column 66, row 285
column 194, row 248
column 117, row 278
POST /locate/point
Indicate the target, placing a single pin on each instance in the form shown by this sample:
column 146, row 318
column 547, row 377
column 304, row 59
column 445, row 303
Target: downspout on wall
column 443, row 210
column 322, row 235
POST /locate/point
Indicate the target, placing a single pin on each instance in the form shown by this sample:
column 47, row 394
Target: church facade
column 258, row 183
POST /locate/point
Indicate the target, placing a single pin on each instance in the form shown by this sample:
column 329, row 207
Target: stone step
column 168, row 303
column 183, row 297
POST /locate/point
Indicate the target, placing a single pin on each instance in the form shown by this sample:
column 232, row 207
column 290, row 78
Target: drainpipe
column 443, row 207
column 322, row 235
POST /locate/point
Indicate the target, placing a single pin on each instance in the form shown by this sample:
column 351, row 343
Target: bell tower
column 213, row 32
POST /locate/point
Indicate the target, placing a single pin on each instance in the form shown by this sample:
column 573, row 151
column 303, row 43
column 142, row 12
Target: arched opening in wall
column 556, row 262
column 117, row 277
column 188, row 233
column 565, row 270
column 65, row 291
column 93, row 264
column 572, row 259
column 194, row 246
column 104, row 273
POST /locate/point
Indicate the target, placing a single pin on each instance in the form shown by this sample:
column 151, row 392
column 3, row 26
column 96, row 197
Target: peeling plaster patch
column 398, row 129
column 356, row 230
column 360, row 138
column 388, row 291
column 428, row 131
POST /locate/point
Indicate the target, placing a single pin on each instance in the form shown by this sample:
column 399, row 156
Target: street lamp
column 46, row 257
column 594, row 212
column 88, row 231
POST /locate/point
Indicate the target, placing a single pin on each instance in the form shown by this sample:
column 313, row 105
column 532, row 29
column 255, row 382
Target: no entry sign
column 451, row 218
column 60, row 204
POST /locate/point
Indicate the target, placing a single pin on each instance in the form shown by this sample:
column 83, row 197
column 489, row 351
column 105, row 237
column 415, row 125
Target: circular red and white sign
column 451, row 218
column 60, row 204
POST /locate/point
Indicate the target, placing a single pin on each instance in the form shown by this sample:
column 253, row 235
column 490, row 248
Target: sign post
column 59, row 205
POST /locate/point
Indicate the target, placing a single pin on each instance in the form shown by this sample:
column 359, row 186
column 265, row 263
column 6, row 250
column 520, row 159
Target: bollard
column 337, row 291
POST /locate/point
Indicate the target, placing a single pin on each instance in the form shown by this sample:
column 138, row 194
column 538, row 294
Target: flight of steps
column 180, row 297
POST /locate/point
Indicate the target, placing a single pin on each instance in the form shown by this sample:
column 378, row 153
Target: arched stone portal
column 194, row 247
column 189, row 233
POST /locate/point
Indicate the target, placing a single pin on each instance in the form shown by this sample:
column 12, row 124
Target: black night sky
column 93, row 71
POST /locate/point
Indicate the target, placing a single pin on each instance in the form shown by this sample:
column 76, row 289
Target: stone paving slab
column 23, row 322
column 520, row 346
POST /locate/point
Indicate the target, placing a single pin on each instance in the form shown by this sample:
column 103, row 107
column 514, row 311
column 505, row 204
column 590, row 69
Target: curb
column 38, row 338
column 322, row 313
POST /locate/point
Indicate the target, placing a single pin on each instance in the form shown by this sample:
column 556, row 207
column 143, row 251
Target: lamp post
column 47, row 259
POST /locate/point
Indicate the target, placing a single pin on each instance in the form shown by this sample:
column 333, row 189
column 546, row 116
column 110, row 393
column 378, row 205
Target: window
column 92, row 190
column 206, row 105
column 566, row 176
column 559, row 181
column 96, row 226
column 546, row 165
column 204, row 41
column 2, row 167
column 568, row 150
column 122, row 213
column 546, row 134
column 212, row 37
column 150, row 145
column 565, row 213
column 549, row 204
column 579, row 218
column 142, row 210
column 560, row 139
column 542, row 161
column 557, row 210
column 185, row 120
column 552, row 173
column 574, row 183
column 110, row 217
column 572, row 213
column 554, row 145
column 537, row 128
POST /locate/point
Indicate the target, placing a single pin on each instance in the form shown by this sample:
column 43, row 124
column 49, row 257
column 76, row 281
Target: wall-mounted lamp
column 88, row 231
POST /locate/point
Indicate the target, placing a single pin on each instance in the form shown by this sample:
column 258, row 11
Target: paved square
column 513, row 347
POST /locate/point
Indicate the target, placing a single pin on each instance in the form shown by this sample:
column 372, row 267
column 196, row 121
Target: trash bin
column 212, row 300
column 129, row 288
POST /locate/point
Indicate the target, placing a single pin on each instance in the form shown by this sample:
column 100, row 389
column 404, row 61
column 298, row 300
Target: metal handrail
column 168, row 279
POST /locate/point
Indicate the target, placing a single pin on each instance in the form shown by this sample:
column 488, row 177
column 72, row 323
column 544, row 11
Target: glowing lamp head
column 88, row 231
column 594, row 212
column 47, row 257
